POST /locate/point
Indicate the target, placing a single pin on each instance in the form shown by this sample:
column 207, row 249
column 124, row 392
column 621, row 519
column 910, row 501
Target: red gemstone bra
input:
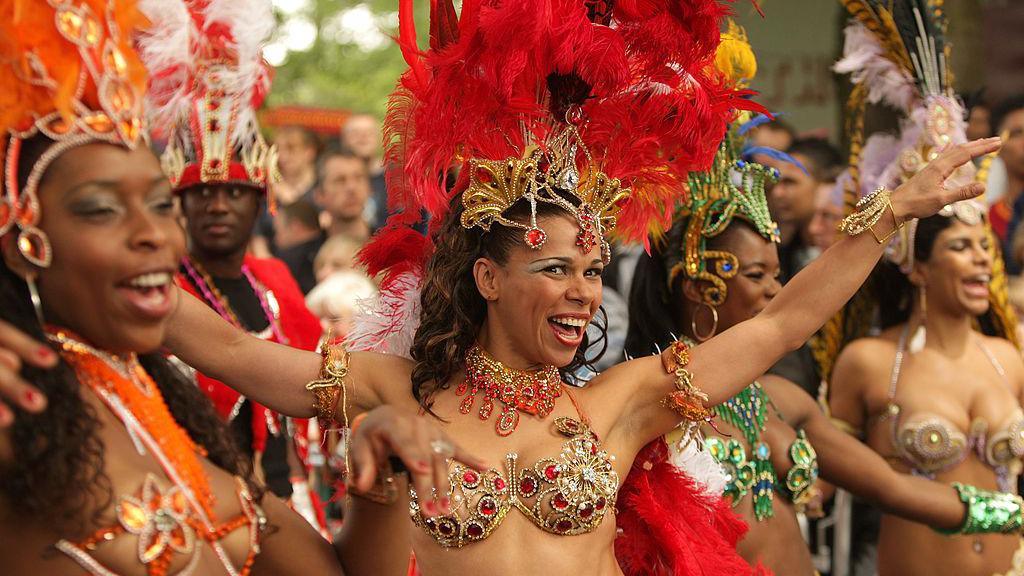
column 567, row 495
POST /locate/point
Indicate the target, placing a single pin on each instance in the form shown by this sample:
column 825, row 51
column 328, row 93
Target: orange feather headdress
column 69, row 73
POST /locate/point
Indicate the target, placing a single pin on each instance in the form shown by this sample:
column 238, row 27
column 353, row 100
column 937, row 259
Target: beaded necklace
column 125, row 382
column 530, row 391
column 204, row 282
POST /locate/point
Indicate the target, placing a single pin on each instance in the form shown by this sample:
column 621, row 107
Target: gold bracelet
column 329, row 387
column 896, row 225
column 869, row 211
column 688, row 401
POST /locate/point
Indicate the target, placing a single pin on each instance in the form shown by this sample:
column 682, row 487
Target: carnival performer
column 125, row 468
column 717, row 267
column 931, row 393
column 203, row 99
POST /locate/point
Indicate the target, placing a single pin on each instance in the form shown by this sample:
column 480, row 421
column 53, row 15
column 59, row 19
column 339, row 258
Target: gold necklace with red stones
column 530, row 391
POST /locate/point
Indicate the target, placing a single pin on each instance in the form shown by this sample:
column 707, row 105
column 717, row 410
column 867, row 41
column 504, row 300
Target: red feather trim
column 669, row 526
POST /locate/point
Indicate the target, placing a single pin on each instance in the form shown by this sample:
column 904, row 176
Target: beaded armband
column 688, row 401
column 329, row 387
column 870, row 210
column 989, row 512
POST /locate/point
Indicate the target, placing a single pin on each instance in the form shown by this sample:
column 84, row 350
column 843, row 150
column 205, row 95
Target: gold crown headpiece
column 546, row 174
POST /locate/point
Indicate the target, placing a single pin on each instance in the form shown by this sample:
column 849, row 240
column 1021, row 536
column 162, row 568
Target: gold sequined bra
column 930, row 444
column 567, row 495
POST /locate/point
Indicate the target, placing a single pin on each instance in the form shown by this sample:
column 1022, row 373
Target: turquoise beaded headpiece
column 733, row 187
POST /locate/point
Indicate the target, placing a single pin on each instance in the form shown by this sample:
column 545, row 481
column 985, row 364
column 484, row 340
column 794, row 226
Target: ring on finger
column 442, row 448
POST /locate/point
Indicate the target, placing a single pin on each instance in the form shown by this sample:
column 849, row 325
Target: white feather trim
column 388, row 322
column 690, row 456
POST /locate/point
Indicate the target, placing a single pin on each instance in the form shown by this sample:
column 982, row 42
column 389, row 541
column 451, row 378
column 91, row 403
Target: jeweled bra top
column 930, row 444
column 172, row 519
column 566, row 495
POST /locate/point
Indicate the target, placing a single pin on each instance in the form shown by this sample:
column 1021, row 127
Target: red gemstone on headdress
column 563, row 526
column 559, row 502
column 601, row 503
column 499, row 484
column 470, row 478
column 215, row 164
column 429, row 522
column 535, row 238
column 551, row 472
column 475, row 530
column 623, row 202
column 527, row 486
column 214, row 125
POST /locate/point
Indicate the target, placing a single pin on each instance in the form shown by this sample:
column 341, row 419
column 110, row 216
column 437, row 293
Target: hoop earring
column 920, row 338
column 714, row 323
column 37, row 302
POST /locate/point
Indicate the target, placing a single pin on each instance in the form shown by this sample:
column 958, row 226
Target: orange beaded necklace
column 124, row 380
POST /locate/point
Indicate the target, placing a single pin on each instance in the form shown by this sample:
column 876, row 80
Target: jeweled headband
column 69, row 73
column 543, row 176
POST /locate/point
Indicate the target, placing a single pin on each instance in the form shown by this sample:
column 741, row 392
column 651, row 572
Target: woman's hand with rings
column 17, row 350
column 421, row 445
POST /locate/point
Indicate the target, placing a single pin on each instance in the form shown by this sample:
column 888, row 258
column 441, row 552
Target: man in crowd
column 361, row 135
column 297, row 151
column 1008, row 120
column 343, row 194
column 793, row 199
column 299, row 238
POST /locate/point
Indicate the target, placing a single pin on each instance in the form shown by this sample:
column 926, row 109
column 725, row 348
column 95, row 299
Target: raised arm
column 730, row 361
column 853, row 466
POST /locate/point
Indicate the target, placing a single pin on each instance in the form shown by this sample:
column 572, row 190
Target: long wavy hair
column 453, row 310
column 61, row 447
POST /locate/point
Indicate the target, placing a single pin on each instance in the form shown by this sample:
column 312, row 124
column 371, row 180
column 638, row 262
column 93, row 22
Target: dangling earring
column 33, row 294
column 714, row 323
column 920, row 337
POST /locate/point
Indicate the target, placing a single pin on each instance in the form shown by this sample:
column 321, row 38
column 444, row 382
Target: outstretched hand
column 17, row 349
column 421, row 445
column 926, row 192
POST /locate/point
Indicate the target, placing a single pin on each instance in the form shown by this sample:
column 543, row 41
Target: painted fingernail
column 43, row 353
column 31, row 398
column 423, row 465
column 429, row 508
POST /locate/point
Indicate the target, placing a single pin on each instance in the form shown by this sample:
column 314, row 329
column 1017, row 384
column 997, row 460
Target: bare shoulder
column 1009, row 358
column 866, row 359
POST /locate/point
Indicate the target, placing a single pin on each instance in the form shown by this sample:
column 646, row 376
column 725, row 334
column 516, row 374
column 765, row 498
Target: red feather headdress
column 205, row 59
column 615, row 103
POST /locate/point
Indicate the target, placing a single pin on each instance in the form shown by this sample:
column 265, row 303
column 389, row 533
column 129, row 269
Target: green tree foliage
column 342, row 68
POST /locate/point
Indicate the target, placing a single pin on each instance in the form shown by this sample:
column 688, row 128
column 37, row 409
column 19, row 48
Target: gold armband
column 688, row 401
column 870, row 210
column 329, row 387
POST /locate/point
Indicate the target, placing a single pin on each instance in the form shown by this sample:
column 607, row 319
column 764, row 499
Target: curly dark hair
column 453, row 309
column 61, row 447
